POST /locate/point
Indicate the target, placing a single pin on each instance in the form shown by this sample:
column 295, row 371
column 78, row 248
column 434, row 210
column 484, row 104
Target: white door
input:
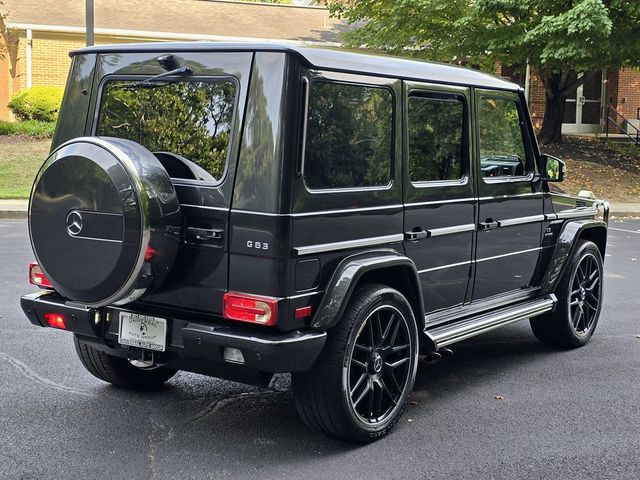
column 583, row 109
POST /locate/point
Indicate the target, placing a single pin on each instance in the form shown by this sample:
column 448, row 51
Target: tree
column 559, row 38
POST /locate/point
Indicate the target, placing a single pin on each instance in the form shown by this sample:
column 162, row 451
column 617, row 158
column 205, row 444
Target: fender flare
column 346, row 276
column 565, row 246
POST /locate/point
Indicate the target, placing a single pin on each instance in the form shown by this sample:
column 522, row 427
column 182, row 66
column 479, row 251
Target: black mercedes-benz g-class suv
column 239, row 210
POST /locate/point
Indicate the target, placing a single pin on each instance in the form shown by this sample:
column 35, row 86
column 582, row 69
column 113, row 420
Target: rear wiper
column 149, row 82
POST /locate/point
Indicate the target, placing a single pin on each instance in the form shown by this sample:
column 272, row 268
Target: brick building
column 37, row 35
column 600, row 96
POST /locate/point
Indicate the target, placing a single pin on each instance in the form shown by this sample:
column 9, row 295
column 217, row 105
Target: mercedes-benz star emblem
column 74, row 223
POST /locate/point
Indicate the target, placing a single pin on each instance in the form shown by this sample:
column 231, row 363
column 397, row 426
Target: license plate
column 143, row 331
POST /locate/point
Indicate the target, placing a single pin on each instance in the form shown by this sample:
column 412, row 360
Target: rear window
column 191, row 119
column 349, row 136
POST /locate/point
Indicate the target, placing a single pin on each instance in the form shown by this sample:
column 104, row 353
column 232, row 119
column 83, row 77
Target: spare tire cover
column 104, row 220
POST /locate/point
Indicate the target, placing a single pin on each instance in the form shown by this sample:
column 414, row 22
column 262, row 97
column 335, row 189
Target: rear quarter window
column 349, row 136
column 192, row 119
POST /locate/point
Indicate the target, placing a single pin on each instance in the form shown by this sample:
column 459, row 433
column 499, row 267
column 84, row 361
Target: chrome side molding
column 357, row 243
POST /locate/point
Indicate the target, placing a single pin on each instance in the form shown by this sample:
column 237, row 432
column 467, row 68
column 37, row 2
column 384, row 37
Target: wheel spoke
column 394, row 335
column 362, row 378
column 358, row 363
column 387, row 391
column 388, row 327
column 576, row 317
column 362, row 348
column 591, row 302
column 363, row 394
column 378, row 404
column 394, row 381
column 372, row 340
column 397, row 363
column 398, row 348
column 371, row 399
column 593, row 283
column 378, row 324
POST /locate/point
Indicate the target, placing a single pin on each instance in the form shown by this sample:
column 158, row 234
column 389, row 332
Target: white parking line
column 623, row 230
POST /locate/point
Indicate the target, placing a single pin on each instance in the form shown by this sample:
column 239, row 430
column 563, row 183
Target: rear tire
column 118, row 371
column 358, row 387
column 579, row 294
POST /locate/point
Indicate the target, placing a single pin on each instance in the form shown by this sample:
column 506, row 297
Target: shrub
column 31, row 128
column 37, row 103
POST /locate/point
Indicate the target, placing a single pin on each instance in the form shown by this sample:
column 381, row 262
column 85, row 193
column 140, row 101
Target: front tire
column 579, row 294
column 360, row 383
column 118, row 371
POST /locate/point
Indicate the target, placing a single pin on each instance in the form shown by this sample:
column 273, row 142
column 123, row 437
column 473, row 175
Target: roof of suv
column 330, row 59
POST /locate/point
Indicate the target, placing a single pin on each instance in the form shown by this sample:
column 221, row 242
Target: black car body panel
column 489, row 236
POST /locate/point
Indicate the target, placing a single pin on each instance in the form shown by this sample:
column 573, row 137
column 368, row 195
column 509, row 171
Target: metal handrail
column 625, row 123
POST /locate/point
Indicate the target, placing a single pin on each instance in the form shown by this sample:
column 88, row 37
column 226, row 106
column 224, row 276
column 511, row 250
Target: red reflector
column 55, row 320
column 303, row 312
column 250, row 308
column 150, row 253
column 37, row 276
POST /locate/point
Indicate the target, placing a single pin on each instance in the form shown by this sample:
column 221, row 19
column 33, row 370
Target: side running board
column 459, row 330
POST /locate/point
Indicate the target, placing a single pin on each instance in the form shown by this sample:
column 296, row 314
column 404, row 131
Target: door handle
column 416, row 234
column 488, row 224
column 203, row 235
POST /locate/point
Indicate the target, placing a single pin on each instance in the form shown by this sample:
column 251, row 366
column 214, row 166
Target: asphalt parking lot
column 504, row 406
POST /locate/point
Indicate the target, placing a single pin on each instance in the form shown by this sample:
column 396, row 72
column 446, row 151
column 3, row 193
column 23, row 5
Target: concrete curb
column 13, row 215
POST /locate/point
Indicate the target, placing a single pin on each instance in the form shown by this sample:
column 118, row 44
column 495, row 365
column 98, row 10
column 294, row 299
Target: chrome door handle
column 416, row 234
column 203, row 235
column 488, row 224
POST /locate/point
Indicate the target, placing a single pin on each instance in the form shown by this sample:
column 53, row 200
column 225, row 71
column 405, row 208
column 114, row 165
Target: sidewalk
column 18, row 209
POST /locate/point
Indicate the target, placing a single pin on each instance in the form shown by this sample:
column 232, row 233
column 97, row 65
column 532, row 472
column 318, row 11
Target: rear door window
column 349, row 137
column 436, row 137
column 190, row 119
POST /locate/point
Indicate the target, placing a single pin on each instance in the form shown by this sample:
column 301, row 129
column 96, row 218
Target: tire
column 579, row 293
column 118, row 371
column 359, row 385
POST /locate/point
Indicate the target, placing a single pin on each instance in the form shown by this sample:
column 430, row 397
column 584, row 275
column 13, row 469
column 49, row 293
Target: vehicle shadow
column 246, row 424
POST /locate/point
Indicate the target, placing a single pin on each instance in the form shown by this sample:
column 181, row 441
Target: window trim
column 465, row 166
column 177, row 79
column 309, row 86
column 529, row 157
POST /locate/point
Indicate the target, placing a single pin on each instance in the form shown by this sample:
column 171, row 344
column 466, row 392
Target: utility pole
column 89, row 24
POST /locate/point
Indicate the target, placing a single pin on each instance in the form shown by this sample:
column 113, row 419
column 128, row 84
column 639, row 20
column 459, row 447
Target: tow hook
column 432, row 358
column 142, row 359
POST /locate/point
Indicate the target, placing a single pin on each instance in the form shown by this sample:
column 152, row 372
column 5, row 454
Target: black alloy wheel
column 584, row 301
column 579, row 293
column 380, row 365
column 359, row 386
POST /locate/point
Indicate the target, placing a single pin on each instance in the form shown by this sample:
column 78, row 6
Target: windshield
column 190, row 119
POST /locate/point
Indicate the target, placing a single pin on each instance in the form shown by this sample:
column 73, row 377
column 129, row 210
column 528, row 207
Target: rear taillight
column 250, row 308
column 37, row 276
column 55, row 320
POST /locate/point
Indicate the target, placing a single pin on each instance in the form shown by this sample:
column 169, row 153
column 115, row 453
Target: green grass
column 29, row 128
column 19, row 163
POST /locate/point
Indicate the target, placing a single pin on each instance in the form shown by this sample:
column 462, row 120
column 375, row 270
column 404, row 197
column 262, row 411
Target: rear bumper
column 194, row 346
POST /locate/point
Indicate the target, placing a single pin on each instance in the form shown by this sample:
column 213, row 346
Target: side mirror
column 552, row 168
